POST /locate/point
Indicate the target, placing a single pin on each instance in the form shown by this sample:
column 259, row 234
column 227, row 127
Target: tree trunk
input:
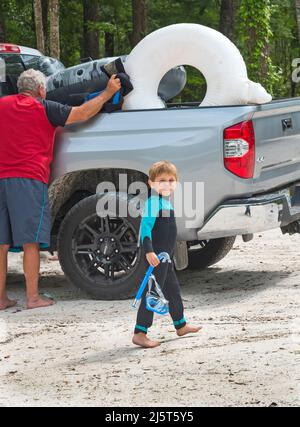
column 139, row 21
column 39, row 28
column 45, row 8
column 227, row 18
column 2, row 23
column 109, row 44
column 54, row 28
column 2, row 29
column 91, row 36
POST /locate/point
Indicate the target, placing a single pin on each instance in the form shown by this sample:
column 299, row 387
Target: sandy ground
column 79, row 352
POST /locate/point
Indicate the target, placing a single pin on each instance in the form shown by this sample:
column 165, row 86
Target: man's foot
column 7, row 303
column 142, row 340
column 187, row 329
column 39, row 302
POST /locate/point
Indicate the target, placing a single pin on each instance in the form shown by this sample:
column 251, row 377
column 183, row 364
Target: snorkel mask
column 155, row 300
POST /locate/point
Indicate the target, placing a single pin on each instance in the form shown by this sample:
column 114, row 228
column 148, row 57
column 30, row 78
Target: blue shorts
column 25, row 215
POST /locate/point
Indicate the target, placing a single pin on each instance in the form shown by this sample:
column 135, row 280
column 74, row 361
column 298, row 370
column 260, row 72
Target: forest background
column 266, row 32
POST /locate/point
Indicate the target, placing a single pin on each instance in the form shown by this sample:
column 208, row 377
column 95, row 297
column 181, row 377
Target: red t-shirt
column 27, row 134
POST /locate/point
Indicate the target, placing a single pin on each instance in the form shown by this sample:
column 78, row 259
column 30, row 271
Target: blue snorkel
column 155, row 302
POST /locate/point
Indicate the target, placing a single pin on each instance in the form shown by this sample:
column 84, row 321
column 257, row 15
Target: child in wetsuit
column 158, row 234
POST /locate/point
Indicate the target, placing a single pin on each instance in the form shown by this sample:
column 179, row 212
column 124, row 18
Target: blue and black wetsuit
column 158, row 234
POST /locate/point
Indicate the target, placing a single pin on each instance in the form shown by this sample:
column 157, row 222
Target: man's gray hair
column 30, row 81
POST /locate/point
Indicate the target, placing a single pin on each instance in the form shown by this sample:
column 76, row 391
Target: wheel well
column 70, row 189
column 74, row 199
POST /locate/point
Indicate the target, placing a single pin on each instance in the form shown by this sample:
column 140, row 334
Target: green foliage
column 254, row 38
column 19, row 23
column 71, row 31
column 195, row 90
column 285, row 43
column 117, row 20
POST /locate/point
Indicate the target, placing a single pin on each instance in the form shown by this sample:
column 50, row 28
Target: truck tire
column 100, row 255
column 210, row 252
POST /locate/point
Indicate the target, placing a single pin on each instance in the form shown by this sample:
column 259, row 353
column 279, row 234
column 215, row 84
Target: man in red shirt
column 28, row 123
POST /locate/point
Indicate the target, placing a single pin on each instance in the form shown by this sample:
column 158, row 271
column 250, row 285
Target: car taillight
column 9, row 48
column 239, row 149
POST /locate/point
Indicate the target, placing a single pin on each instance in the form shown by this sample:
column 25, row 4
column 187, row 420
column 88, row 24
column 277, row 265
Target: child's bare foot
column 53, row 257
column 142, row 340
column 39, row 302
column 7, row 303
column 187, row 329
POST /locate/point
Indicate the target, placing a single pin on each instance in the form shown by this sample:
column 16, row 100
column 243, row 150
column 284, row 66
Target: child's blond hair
column 162, row 167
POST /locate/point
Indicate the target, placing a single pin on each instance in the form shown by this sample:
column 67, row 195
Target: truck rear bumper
column 252, row 215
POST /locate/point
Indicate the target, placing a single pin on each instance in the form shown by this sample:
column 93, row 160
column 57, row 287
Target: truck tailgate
column 277, row 136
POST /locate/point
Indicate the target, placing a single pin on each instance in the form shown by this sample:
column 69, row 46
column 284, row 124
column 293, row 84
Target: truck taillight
column 9, row 48
column 239, row 149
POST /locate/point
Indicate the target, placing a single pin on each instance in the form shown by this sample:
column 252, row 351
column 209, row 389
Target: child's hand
column 152, row 259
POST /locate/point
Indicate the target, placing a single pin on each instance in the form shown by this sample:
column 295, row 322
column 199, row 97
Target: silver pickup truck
column 248, row 158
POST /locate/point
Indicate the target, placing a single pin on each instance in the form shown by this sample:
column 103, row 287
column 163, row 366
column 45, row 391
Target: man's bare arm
column 92, row 107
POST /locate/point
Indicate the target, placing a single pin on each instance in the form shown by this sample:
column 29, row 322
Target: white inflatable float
column 206, row 49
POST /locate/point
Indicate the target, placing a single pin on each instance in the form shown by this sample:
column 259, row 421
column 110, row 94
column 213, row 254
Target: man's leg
column 5, row 241
column 5, row 302
column 30, row 219
column 31, row 265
